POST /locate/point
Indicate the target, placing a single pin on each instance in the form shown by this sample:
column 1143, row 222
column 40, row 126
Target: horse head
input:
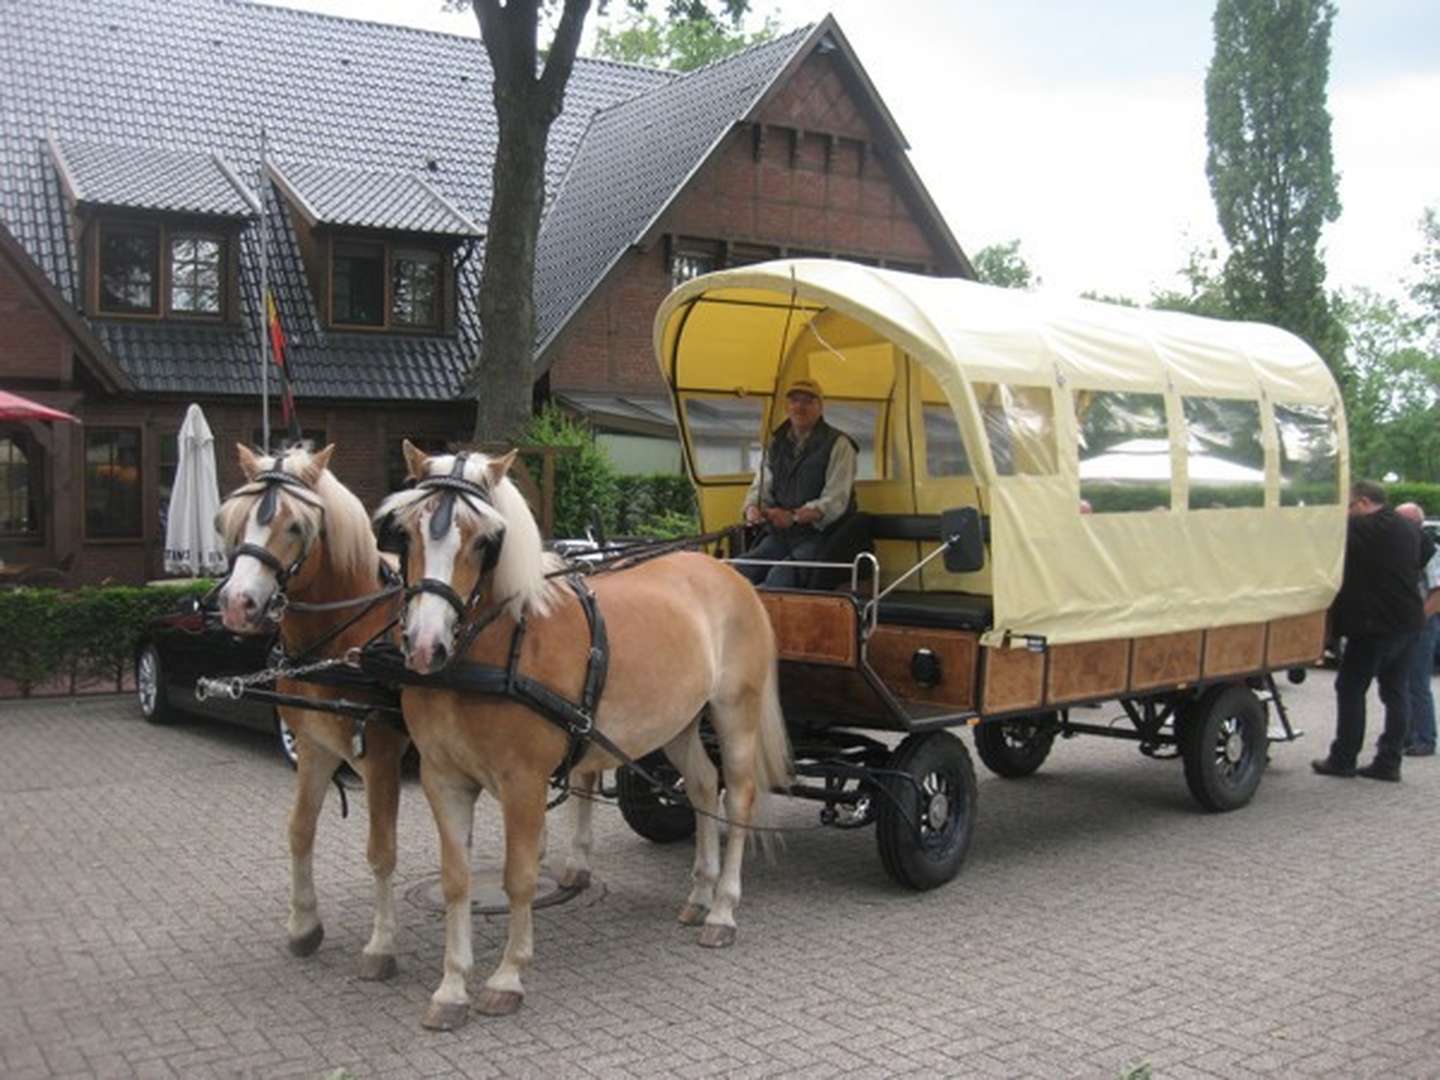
column 467, row 539
column 274, row 525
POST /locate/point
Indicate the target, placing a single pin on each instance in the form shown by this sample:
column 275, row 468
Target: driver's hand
column 752, row 515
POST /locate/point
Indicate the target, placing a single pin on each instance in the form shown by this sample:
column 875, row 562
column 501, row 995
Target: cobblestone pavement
column 1101, row 922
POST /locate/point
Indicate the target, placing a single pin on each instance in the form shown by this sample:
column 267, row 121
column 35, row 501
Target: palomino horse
column 301, row 537
column 684, row 632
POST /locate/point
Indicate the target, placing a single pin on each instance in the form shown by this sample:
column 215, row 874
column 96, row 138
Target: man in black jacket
column 804, row 486
column 1380, row 613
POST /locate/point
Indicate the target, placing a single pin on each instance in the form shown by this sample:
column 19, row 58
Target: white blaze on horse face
column 247, row 594
column 430, row 620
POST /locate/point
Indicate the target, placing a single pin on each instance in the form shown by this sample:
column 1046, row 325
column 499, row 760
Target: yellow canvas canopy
column 1143, row 472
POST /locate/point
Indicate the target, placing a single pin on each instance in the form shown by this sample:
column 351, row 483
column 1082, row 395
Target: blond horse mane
column 523, row 566
column 349, row 543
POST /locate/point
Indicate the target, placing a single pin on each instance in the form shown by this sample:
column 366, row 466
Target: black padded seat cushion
column 937, row 610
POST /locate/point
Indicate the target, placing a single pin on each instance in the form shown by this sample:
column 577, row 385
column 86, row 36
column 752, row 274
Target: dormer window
column 386, row 285
column 132, row 278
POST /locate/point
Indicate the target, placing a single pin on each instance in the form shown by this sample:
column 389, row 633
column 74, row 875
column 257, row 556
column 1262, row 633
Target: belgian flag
column 281, row 357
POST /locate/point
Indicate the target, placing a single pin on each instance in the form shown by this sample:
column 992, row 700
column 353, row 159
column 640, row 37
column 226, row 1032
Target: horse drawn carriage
column 1058, row 504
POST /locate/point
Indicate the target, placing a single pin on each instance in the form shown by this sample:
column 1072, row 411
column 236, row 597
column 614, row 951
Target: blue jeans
column 1368, row 657
column 1422, row 700
column 790, row 544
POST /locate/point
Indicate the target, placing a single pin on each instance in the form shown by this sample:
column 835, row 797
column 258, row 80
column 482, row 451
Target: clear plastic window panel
column 415, row 287
column 195, row 274
column 944, row 448
column 1309, row 455
column 1225, row 455
column 725, row 433
column 1020, row 427
column 859, row 420
column 1124, row 451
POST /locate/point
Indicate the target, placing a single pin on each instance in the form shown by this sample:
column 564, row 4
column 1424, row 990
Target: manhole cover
column 487, row 892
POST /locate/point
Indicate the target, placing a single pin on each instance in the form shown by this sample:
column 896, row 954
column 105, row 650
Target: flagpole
column 264, row 300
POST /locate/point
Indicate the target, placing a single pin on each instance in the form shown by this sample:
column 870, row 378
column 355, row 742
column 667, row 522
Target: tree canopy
column 1003, row 265
column 1269, row 163
column 682, row 44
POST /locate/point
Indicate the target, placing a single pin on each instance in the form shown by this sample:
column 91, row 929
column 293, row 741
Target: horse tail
column 773, row 766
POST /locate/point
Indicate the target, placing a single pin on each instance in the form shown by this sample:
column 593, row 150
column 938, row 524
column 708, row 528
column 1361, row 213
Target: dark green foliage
column 585, row 482
column 50, row 633
column 680, row 45
column 1427, row 495
column 1271, row 171
column 1003, row 265
column 660, row 506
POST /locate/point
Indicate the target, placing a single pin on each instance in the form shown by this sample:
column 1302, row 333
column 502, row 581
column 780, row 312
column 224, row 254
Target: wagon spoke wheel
column 927, row 813
column 657, row 817
column 1224, row 743
column 1016, row 748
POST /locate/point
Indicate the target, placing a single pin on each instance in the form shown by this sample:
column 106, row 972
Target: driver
column 805, row 485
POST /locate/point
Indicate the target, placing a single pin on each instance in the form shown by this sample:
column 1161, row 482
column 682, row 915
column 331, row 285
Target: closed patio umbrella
column 15, row 407
column 192, row 546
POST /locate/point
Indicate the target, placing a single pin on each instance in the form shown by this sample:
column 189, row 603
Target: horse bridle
column 448, row 488
column 273, row 482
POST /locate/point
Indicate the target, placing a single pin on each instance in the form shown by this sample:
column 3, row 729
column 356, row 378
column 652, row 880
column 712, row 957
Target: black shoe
column 1376, row 771
column 1420, row 751
column 1325, row 767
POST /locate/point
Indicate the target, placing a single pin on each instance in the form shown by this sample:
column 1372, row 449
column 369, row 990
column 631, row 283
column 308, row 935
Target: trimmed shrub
column 584, row 481
column 661, row 506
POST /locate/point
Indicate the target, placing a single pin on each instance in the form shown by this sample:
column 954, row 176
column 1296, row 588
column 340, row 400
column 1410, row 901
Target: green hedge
column 1427, row 495
column 660, row 506
column 83, row 633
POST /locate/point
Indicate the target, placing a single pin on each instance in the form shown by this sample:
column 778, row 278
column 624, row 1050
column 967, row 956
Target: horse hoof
column 693, row 915
column 306, row 944
column 377, row 967
column 446, row 1016
column 575, row 879
column 717, row 936
column 498, row 1002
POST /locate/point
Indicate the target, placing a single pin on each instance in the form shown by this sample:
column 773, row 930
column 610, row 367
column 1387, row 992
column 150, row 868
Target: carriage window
column 1124, row 451
column 19, row 486
column 1226, row 458
column 1020, row 426
column 859, row 420
column 944, row 449
column 724, row 433
column 112, row 482
column 1309, row 455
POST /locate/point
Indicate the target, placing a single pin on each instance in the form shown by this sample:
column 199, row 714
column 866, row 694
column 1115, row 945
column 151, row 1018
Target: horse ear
column 415, row 460
column 319, row 462
column 497, row 468
column 249, row 463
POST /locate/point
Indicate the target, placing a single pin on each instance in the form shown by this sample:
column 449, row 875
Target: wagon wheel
column 150, row 687
column 657, row 817
column 1016, row 748
column 1224, row 743
column 927, row 815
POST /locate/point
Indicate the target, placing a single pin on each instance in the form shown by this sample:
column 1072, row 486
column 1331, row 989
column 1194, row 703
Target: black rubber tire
column 1015, row 748
column 940, row 765
column 150, row 686
column 1224, row 742
column 657, row 818
column 286, row 738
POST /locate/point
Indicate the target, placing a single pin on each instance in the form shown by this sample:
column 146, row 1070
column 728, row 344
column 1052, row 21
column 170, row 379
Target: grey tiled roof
column 198, row 77
column 148, row 178
column 633, row 159
column 369, row 199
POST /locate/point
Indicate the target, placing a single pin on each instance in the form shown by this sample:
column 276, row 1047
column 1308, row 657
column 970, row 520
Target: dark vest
column 798, row 475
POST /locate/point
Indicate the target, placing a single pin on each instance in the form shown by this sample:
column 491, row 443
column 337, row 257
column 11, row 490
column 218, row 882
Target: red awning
column 15, row 407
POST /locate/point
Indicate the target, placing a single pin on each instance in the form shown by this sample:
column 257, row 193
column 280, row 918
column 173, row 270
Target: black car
column 181, row 647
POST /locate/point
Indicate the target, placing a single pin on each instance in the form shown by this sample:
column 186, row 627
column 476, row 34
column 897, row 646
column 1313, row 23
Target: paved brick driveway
column 1102, row 921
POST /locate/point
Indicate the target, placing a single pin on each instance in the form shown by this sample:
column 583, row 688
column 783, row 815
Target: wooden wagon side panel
column 1299, row 639
column 807, row 689
column 1091, row 669
column 816, row 629
column 1165, row 660
column 892, row 649
column 1234, row 650
column 1014, row 680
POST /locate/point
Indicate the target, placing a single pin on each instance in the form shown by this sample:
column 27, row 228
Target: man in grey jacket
column 804, row 486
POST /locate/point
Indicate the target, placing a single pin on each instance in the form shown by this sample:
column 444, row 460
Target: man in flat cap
column 804, row 486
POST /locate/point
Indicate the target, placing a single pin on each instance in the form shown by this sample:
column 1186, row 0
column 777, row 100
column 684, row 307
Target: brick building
column 133, row 196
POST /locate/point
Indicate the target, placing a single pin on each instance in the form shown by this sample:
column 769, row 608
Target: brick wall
column 35, row 345
column 810, row 178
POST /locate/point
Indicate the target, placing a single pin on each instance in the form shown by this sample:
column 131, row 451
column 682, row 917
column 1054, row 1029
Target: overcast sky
column 1080, row 128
